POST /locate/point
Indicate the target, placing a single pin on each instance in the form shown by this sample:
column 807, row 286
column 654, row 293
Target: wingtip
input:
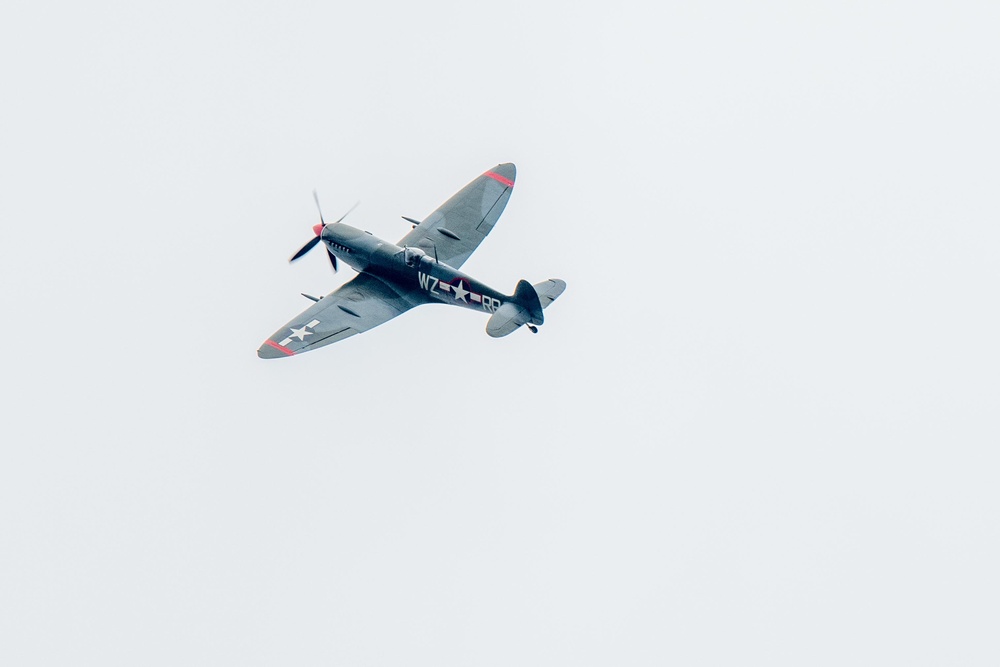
column 272, row 350
column 503, row 173
column 507, row 170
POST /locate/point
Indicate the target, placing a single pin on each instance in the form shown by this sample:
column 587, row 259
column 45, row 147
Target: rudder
column 526, row 297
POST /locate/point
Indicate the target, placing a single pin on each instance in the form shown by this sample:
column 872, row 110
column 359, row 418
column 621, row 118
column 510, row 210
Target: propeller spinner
column 318, row 231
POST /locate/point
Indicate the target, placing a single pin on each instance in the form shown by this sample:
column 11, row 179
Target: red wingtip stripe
column 497, row 177
column 281, row 348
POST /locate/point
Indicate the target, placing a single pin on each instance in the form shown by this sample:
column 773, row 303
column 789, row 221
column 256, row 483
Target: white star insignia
column 460, row 292
column 300, row 333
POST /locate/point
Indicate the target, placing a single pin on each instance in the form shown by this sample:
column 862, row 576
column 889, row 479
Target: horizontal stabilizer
column 550, row 290
column 507, row 319
column 525, row 307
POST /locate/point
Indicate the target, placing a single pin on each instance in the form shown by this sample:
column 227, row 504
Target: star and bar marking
column 300, row 333
column 432, row 284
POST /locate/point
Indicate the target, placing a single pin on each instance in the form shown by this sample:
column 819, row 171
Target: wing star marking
column 299, row 333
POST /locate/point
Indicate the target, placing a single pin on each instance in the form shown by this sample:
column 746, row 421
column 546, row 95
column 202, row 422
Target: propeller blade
column 333, row 259
column 306, row 248
column 316, row 197
column 348, row 211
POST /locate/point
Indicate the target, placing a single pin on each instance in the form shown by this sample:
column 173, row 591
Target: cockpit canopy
column 412, row 256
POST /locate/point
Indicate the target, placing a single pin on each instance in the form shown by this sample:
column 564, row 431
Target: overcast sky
column 759, row 428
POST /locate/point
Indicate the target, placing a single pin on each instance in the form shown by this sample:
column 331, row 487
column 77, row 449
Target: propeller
column 307, row 247
column 318, row 231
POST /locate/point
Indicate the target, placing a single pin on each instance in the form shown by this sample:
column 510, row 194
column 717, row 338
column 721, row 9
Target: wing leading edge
column 357, row 306
column 456, row 229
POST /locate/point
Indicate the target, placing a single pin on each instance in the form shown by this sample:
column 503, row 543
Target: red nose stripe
column 318, row 228
column 281, row 348
column 497, row 177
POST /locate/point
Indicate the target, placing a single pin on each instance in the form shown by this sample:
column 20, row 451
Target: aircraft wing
column 356, row 306
column 456, row 229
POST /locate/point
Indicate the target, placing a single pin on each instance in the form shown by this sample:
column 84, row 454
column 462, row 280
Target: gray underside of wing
column 455, row 230
column 357, row 306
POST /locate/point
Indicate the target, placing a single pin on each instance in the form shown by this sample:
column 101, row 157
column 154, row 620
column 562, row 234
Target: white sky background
column 760, row 426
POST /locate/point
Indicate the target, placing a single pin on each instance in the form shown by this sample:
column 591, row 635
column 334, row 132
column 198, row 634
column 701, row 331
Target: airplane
column 423, row 267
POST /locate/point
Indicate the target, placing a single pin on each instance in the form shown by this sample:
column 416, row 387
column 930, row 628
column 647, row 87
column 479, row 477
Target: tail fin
column 526, row 297
column 525, row 307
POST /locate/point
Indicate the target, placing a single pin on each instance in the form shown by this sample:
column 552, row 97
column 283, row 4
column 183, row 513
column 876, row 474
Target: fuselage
column 416, row 274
